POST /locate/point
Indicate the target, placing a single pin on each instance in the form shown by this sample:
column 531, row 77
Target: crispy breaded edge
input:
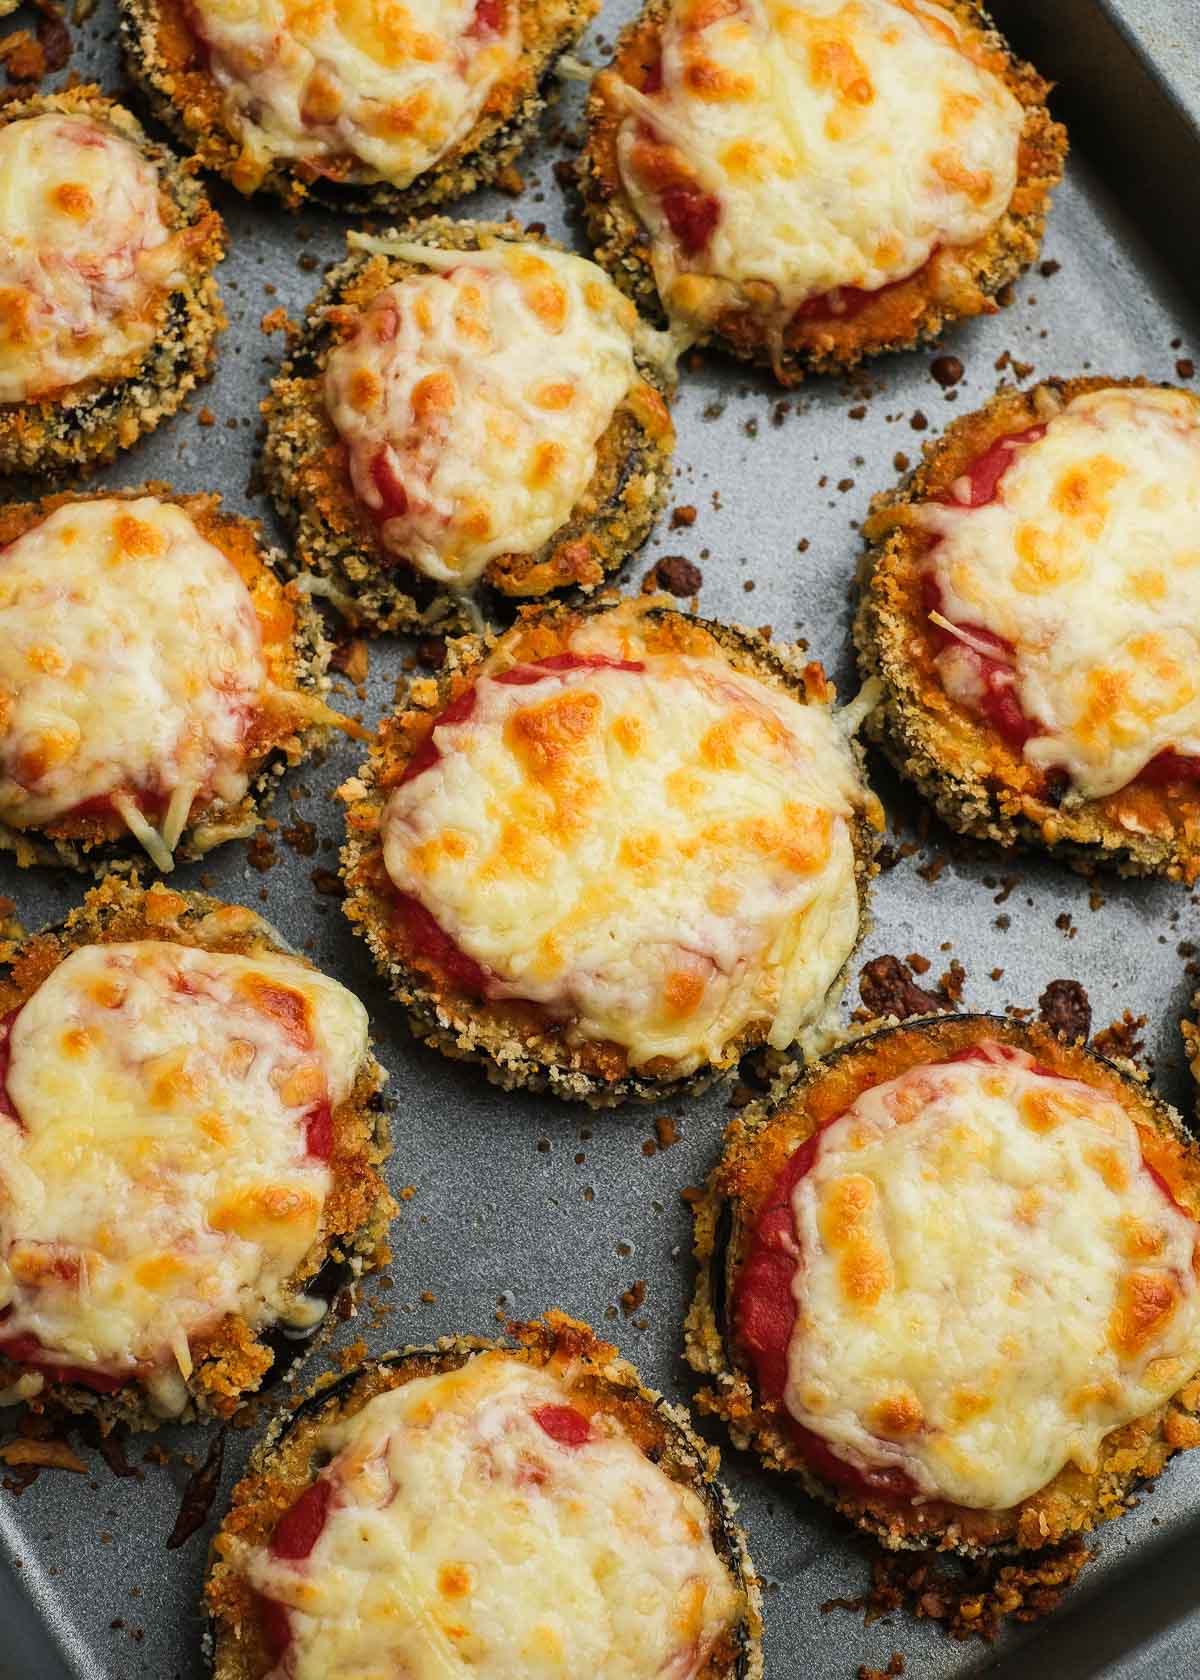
column 909, row 314
column 975, row 782
column 233, row 1361
column 1074, row 1502
column 281, row 1467
column 454, row 1025
column 337, row 540
column 216, row 823
column 90, row 423
column 480, row 159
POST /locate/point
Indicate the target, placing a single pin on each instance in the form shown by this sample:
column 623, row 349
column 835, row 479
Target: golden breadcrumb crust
column 758, row 1143
column 167, row 62
column 515, row 1041
column 599, row 1382
column 305, row 467
column 80, row 428
column 232, row 1359
column 951, row 286
column 972, row 777
column 296, row 655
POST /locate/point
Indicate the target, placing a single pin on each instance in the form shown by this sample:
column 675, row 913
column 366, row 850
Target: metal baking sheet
column 519, row 1202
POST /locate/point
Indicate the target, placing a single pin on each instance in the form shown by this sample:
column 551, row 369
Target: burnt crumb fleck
column 431, row 651
column 895, row 1666
column 751, row 427
column 780, row 412
column 947, row 370
column 972, row 1599
column 901, row 461
column 858, row 412
column 1048, row 268
column 302, row 837
column 1065, row 1009
column 682, row 516
column 198, row 1495
column 918, row 421
column 713, row 411
column 328, row 884
column 802, row 546
column 845, row 484
column 932, row 871
column 1120, row 1038
column 352, row 657
column 260, row 852
column 887, row 987
column 748, row 586
column 1185, row 368
column 666, row 1129
column 677, row 575
column 741, row 1095
column 918, row 963
column 632, row 1298
column 952, row 982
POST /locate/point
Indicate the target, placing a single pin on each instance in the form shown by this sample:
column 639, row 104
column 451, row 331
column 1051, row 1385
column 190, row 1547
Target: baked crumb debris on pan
column 110, row 309
column 1028, row 601
column 948, row 1284
column 363, row 107
column 528, row 1507
column 156, row 678
column 613, row 849
column 805, row 185
column 191, row 1134
column 470, row 412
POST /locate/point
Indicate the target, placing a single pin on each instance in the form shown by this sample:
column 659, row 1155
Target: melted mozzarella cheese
column 843, row 141
column 130, row 660
column 1088, row 563
column 462, row 1540
column 157, row 1175
column 475, row 395
column 391, row 85
column 991, row 1280
column 85, row 258
column 658, row 857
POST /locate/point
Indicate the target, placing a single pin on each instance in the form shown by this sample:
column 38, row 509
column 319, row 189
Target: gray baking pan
column 518, row 1202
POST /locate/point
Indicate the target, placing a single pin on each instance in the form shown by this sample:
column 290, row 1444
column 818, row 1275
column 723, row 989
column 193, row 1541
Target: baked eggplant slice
column 367, row 108
column 490, row 1509
column 190, row 1137
column 156, row 677
column 950, row 1285
column 612, row 850
column 807, row 185
column 109, row 312
column 1030, row 606
column 469, row 409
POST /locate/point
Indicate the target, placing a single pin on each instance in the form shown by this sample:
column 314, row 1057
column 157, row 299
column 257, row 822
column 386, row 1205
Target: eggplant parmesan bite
column 950, row 1283
column 156, row 677
column 364, row 106
column 109, row 311
column 488, row 1510
column 468, row 408
column 612, row 850
column 803, row 183
column 190, row 1138
column 1031, row 602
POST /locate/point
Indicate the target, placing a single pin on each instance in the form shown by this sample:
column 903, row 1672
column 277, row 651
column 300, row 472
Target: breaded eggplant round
column 365, row 107
column 485, row 1509
column 109, row 312
column 1031, row 603
column 612, row 850
column 949, row 1283
column 468, row 409
column 190, row 1138
column 804, row 185
column 156, row 677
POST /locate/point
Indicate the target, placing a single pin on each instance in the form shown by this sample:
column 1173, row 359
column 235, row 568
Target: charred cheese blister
column 131, row 663
column 472, row 396
column 1087, row 563
column 389, row 87
column 658, row 854
column 462, row 1539
column 991, row 1279
column 85, row 257
column 799, row 146
column 155, row 1150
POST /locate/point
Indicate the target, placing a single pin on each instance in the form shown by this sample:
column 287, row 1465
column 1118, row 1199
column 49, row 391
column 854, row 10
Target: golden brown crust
column 163, row 57
column 598, row 1379
column 296, row 654
column 759, row 1141
column 231, row 1361
column 304, row 466
column 86, row 425
column 975, row 781
column 517, row 1044
column 952, row 286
